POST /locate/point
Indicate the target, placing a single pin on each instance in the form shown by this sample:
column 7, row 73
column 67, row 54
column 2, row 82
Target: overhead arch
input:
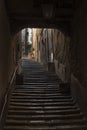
column 41, row 14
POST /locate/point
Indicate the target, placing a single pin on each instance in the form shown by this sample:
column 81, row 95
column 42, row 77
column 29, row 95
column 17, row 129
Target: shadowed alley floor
column 39, row 104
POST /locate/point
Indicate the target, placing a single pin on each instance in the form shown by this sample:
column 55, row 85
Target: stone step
column 11, row 107
column 37, row 89
column 43, row 104
column 45, row 112
column 41, row 76
column 38, row 86
column 36, row 94
column 45, row 83
column 61, row 127
column 39, row 79
column 44, row 122
column 40, row 104
column 43, row 98
column 45, row 117
column 39, row 92
column 40, row 100
column 26, row 81
column 24, row 95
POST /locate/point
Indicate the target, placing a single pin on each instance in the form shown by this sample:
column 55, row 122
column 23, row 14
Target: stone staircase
column 39, row 104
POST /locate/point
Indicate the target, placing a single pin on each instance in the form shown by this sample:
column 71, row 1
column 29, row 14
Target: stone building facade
column 52, row 49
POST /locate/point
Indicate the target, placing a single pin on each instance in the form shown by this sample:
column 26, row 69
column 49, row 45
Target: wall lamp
column 48, row 10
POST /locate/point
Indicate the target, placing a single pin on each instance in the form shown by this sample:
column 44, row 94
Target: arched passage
column 68, row 16
column 36, row 13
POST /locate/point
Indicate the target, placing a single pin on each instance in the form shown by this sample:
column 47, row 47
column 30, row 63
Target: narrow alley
column 43, row 65
column 39, row 104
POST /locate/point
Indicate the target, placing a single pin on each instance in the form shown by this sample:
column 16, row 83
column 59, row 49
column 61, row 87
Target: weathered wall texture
column 61, row 45
column 37, row 45
column 4, row 51
column 68, row 53
column 79, row 54
column 15, row 53
column 53, row 50
column 8, row 55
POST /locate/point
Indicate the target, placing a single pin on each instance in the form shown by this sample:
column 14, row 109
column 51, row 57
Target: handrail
column 9, row 85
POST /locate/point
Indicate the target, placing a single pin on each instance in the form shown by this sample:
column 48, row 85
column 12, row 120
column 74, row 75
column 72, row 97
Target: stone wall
column 36, row 39
column 69, row 54
column 52, row 48
column 5, row 43
column 78, row 56
column 61, row 44
column 8, row 55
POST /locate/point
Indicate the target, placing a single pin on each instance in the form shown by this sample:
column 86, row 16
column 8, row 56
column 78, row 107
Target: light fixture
column 48, row 10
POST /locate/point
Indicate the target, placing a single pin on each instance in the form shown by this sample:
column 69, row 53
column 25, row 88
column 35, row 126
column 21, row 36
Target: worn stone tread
column 40, row 104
